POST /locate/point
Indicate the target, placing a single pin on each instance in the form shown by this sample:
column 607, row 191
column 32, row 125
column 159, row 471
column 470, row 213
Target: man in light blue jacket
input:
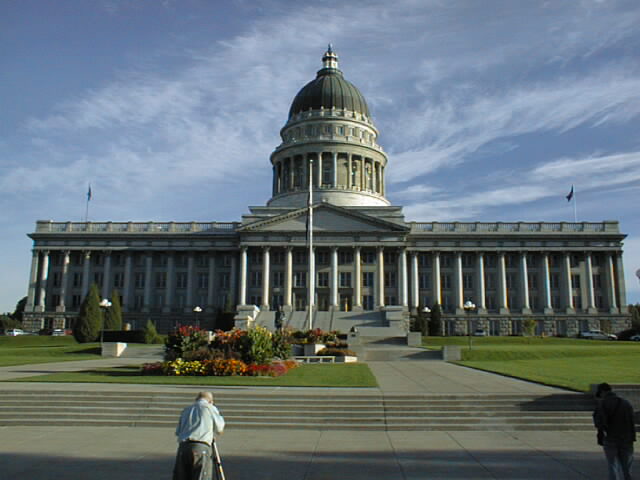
column 196, row 430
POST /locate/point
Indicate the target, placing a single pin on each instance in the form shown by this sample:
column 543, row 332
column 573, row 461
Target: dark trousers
column 619, row 460
column 193, row 462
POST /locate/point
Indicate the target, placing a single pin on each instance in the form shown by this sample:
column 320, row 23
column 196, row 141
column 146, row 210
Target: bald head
column 205, row 396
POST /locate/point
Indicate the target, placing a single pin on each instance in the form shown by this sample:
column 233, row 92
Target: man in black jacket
column 614, row 419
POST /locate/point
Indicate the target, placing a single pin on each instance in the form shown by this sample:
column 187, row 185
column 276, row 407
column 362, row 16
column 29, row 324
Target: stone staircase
column 301, row 410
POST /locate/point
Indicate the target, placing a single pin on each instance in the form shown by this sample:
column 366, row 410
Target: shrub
column 156, row 368
column 185, row 339
column 281, row 344
column 435, row 321
column 260, row 346
column 336, row 352
column 113, row 315
column 151, row 334
column 87, row 327
column 529, row 327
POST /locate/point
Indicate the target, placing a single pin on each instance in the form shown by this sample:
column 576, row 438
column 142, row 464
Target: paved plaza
column 72, row 453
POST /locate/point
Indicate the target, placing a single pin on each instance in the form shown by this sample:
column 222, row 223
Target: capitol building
column 369, row 264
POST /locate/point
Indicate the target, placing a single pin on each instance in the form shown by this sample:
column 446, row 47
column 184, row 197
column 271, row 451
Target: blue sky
column 489, row 111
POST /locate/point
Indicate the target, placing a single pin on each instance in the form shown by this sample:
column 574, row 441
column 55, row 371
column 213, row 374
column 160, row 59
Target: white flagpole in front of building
column 575, row 205
column 311, row 259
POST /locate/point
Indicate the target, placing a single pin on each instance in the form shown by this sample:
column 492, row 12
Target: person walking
column 196, row 430
column 614, row 419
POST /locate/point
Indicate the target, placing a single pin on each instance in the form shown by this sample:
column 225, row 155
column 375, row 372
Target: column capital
column 244, row 248
column 86, row 253
column 266, row 248
column 334, row 248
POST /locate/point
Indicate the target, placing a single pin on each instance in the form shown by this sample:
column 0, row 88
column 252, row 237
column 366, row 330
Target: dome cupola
column 329, row 138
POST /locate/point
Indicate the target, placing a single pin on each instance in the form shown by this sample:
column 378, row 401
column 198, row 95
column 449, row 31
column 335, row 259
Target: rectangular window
column 57, row 279
column 226, row 260
column 278, row 279
column 139, row 280
column 97, row 278
column 445, row 281
column 367, row 302
column 532, row 279
column 322, row 258
column 554, row 280
column 255, row 279
column 75, row 301
column 390, row 300
column 423, row 281
column 489, row 281
column 446, row 260
column 345, row 279
column 424, row 260
column 203, row 280
column 162, row 259
column 98, row 259
column 511, row 280
column 77, row 279
column 597, row 282
column 224, row 280
column 345, row 258
column 161, row 279
column 138, row 302
column 390, row 258
column 467, row 260
column 181, row 280
column 299, row 279
column 203, row 260
column 368, row 257
column 255, row 258
column 299, row 258
column 277, row 257
column 255, row 300
column 389, row 279
column 118, row 280
column 467, row 281
column 368, row 279
column 323, row 279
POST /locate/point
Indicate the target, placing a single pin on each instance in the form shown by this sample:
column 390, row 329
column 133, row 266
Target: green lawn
column 27, row 349
column 563, row 362
column 315, row 375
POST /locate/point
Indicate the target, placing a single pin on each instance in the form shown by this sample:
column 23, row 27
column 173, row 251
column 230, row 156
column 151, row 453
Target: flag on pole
column 570, row 195
column 89, row 193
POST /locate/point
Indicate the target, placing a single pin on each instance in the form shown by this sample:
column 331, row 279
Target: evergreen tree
column 20, row 306
column 113, row 315
column 87, row 327
column 435, row 320
column 635, row 316
column 151, row 334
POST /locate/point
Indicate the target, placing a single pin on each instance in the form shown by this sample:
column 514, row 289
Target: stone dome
column 329, row 90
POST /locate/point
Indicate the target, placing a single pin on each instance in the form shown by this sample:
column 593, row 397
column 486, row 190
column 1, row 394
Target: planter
column 346, row 359
column 313, row 348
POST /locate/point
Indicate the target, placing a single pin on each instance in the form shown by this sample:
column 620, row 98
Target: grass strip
column 315, row 375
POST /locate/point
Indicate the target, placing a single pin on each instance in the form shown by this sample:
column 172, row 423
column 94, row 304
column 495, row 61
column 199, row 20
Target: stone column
column 415, row 281
column 334, row 277
column 459, row 286
column 190, row 274
column 86, row 271
column 374, row 176
column 211, row 285
column 243, row 276
column 502, row 285
column 233, row 278
column 622, row 292
column 481, row 301
column 568, row 287
column 146, row 302
column 591, row 300
column 44, row 275
column 288, row 277
column 380, row 282
column 349, row 175
column 33, row 281
column 319, row 170
column 169, row 288
column 335, row 169
column 265, row 278
column 611, row 285
column 546, row 280
column 357, row 281
column 404, row 284
column 64, row 281
column 106, row 277
column 126, row 295
column 437, row 286
column 524, row 283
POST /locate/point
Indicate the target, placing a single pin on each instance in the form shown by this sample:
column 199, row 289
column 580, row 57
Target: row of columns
column 284, row 172
column 612, row 269
column 613, row 287
column 38, row 281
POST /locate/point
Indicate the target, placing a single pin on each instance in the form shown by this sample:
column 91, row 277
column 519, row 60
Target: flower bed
column 218, row 367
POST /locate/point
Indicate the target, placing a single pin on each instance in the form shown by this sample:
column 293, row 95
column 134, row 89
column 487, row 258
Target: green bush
column 260, row 348
column 7, row 323
column 434, row 323
column 281, row 344
column 113, row 315
column 87, row 327
column 336, row 352
column 184, row 340
column 151, row 334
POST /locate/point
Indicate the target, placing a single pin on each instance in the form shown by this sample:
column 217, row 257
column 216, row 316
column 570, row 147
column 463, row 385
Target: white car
column 14, row 332
column 597, row 335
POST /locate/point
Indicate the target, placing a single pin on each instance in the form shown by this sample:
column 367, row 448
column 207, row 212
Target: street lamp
column 469, row 307
column 426, row 310
column 197, row 310
column 105, row 304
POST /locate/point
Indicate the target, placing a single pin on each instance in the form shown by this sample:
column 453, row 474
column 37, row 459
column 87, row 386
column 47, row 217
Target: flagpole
column 311, row 259
column 575, row 205
column 86, row 212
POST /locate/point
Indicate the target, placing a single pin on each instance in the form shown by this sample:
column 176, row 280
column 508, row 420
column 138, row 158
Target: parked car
column 479, row 332
column 597, row 335
column 14, row 332
column 635, row 338
column 58, row 332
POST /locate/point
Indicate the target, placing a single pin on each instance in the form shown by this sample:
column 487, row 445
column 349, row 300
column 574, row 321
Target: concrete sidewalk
column 142, row 453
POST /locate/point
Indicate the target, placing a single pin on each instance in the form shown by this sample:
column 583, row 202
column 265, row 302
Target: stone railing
column 47, row 226
column 517, row 227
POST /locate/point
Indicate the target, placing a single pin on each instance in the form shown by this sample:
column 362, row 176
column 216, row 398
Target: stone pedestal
column 113, row 349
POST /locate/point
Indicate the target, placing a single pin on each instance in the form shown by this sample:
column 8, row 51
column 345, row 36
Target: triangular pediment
column 326, row 218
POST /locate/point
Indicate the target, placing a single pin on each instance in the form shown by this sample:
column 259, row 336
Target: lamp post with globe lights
column 426, row 311
column 105, row 304
column 469, row 307
column 197, row 310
